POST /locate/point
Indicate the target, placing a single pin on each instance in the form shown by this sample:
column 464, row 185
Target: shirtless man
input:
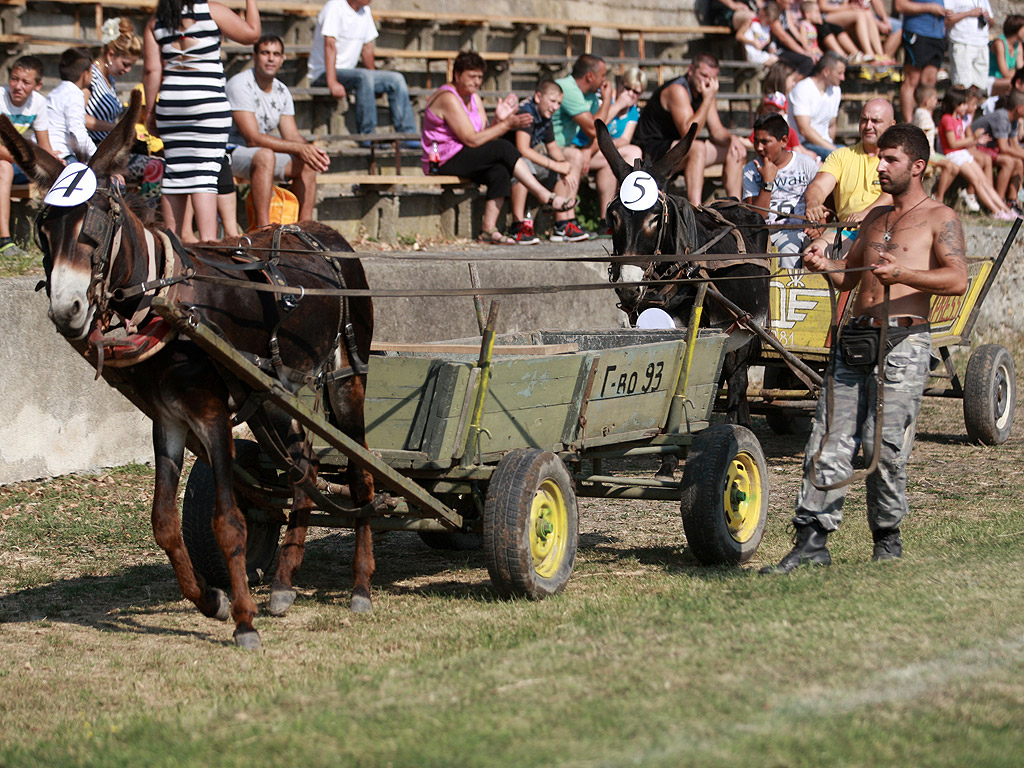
column 906, row 252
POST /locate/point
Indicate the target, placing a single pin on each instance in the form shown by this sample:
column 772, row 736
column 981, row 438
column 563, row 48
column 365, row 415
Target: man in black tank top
column 668, row 115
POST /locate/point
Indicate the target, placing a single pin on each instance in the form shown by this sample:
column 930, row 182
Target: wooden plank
column 472, row 349
column 390, row 179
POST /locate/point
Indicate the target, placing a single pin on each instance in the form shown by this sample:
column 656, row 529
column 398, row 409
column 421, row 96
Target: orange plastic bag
column 284, row 207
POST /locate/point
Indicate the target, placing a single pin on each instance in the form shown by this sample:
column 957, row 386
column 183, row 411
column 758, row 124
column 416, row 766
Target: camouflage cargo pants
column 852, row 425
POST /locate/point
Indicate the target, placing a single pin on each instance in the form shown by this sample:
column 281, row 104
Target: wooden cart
column 493, row 444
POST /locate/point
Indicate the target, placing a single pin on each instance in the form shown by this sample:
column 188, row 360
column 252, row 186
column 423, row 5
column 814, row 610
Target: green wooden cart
column 491, row 444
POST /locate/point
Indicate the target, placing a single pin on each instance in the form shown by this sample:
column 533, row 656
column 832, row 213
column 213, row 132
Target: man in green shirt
column 586, row 98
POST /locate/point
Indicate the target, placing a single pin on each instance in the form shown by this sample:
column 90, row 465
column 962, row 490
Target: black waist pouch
column 859, row 346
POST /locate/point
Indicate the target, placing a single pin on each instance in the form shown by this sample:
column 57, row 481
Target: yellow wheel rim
column 742, row 497
column 549, row 529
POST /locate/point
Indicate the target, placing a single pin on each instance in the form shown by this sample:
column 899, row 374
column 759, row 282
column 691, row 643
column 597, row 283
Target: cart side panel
column 702, row 385
column 414, row 404
column 632, row 389
column 529, row 401
column 949, row 314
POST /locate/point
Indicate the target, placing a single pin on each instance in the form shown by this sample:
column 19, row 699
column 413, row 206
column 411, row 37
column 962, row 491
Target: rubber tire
column 525, row 479
column 197, row 528
column 778, row 420
column 721, row 453
column 990, row 392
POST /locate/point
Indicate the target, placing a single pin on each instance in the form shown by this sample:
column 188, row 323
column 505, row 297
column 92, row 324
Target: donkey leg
column 282, row 591
column 169, row 449
column 229, row 523
column 361, row 485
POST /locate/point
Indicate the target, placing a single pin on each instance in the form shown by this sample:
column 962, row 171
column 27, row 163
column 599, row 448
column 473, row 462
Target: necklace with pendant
column 887, row 236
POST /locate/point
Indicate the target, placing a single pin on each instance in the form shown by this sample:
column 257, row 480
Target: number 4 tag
column 75, row 185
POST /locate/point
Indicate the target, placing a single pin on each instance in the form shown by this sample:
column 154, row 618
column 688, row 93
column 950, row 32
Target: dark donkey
column 97, row 254
column 673, row 226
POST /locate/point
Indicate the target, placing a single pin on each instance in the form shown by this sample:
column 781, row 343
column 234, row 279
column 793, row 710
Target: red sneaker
column 523, row 232
column 568, row 232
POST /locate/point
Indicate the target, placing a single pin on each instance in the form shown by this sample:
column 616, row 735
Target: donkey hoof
column 248, row 639
column 360, row 604
column 280, row 601
column 217, row 606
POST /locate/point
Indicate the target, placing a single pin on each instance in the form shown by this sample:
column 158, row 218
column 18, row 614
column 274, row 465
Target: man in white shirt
column 66, row 108
column 261, row 104
column 344, row 36
column 814, row 105
column 967, row 28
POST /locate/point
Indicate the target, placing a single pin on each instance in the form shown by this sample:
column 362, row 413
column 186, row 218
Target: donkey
column 103, row 260
column 673, row 226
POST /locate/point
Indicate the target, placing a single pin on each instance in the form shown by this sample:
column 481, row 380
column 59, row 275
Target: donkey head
column 76, row 256
column 649, row 231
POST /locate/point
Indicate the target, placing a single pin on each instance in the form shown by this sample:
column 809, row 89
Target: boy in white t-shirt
column 343, row 38
column 66, row 108
column 775, row 183
column 25, row 107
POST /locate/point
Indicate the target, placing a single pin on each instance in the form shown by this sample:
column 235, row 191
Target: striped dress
column 192, row 114
column 103, row 103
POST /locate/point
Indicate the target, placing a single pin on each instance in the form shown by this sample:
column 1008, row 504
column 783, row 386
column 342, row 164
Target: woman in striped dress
column 121, row 49
column 192, row 116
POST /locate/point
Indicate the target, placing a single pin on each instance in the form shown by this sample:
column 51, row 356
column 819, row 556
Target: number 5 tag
column 638, row 191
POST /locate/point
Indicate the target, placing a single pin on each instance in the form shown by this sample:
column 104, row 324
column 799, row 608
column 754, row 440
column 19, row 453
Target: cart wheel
column 724, row 501
column 779, row 420
column 531, row 526
column 989, row 395
column 197, row 529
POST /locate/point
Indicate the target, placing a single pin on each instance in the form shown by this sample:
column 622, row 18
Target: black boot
column 808, row 549
column 888, row 544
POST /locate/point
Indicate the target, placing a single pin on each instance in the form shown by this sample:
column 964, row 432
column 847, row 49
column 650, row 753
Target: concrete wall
column 57, row 419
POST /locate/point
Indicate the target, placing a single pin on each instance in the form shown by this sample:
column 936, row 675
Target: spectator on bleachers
column 820, row 36
column 859, row 22
column 814, row 105
column 996, row 134
column 731, row 13
column 777, row 104
column 342, row 39
column 25, row 107
column 924, row 45
column 183, row 68
column 550, row 167
column 1006, row 53
column 622, row 122
column 66, row 108
column 587, row 97
column 956, row 145
column 765, row 40
column 780, row 79
column 260, row 106
column 850, row 175
column 121, row 49
column 456, row 142
column 668, row 115
column 775, row 183
column 967, row 25
column 926, row 97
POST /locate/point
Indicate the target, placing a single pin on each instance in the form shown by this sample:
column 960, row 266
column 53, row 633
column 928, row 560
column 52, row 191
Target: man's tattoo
column 952, row 237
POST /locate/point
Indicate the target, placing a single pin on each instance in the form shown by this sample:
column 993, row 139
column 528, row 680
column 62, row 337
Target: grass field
column 647, row 659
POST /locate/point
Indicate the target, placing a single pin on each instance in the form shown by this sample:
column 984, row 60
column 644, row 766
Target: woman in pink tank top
column 454, row 123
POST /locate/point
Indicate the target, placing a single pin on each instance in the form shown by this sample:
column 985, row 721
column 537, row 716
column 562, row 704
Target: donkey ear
column 605, row 142
column 113, row 152
column 672, row 161
column 38, row 164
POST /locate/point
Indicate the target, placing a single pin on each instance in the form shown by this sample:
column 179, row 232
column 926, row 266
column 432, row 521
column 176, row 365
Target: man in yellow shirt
column 850, row 175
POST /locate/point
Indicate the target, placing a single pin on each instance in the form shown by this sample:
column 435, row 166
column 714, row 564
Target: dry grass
column 646, row 659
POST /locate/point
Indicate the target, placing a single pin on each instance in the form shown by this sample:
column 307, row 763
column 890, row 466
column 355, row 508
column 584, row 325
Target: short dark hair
column 466, row 61
column 907, row 137
column 830, row 60
column 584, row 64
column 268, row 39
column 73, row 62
column 1014, row 99
column 704, row 58
column 33, row 63
column 547, row 85
column 773, row 123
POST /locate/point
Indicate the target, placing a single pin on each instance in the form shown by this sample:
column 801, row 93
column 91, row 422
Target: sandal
column 568, row 203
column 495, row 237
